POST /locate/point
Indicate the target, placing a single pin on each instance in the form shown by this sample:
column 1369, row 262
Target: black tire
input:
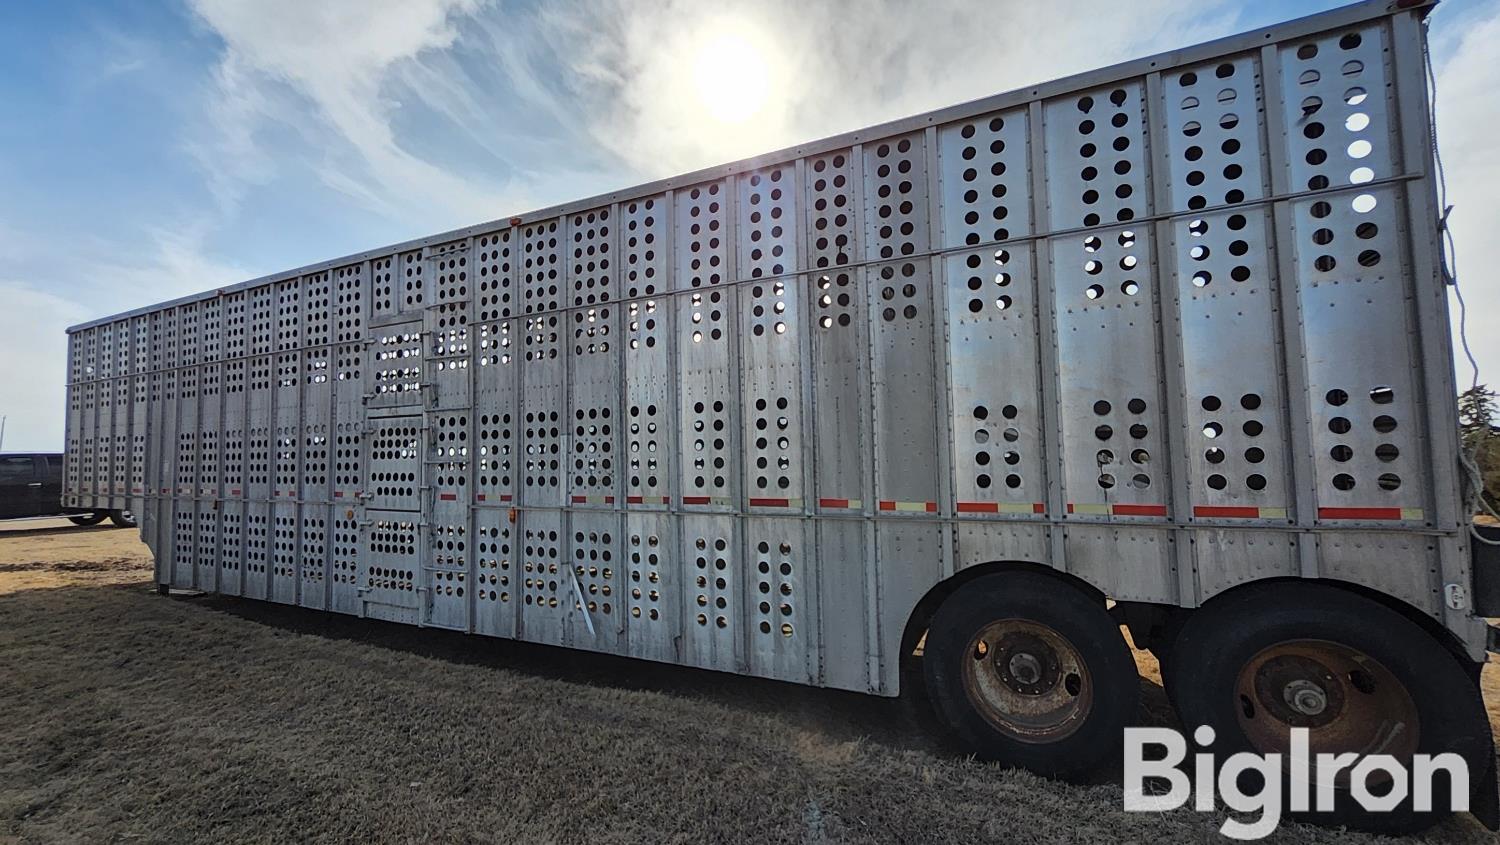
column 122, row 519
column 1095, row 685
column 87, row 518
column 1227, row 659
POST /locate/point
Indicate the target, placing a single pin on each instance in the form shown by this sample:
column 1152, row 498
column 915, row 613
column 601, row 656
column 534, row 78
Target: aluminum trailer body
column 1165, row 329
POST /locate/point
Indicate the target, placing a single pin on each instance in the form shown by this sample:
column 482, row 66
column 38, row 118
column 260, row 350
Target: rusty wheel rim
column 1027, row 680
column 1348, row 701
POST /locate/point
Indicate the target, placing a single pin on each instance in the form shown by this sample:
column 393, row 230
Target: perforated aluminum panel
column 707, row 397
column 390, row 566
column 594, row 448
column 782, row 602
column 1096, row 156
column 998, row 461
column 544, row 580
column 713, row 571
column 1214, row 133
column 653, row 587
column 1110, row 374
column 986, row 179
column 1366, row 424
column 1227, row 301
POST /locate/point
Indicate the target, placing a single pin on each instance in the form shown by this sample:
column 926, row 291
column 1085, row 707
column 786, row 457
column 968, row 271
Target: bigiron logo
column 1378, row 782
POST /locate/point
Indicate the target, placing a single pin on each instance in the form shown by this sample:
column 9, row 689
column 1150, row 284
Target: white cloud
column 338, row 56
column 1468, row 111
column 833, row 66
column 32, row 324
column 46, row 288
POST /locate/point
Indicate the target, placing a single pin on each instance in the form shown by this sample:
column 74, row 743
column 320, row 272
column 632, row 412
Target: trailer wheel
column 1359, row 676
column 1030, row 672
column 122, row 519
column 87, row 518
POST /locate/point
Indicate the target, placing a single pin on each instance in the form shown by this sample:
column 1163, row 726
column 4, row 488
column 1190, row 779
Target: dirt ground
column 129, row 717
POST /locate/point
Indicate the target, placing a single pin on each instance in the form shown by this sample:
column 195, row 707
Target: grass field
column 129, row 717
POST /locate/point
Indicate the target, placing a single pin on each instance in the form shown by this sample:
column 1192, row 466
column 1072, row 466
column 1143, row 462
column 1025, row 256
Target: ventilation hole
column 1387, row 452
column 1106, row 481
column 1339, row 425
column 1385, row 424
column 1256, row 482
column 1343, row 481
column 1214, row 455
column 1341, row 453
column 1382, row 395
column 1101, row 407
column 1388, row 481
column 1218, row 482
column 1337, row 397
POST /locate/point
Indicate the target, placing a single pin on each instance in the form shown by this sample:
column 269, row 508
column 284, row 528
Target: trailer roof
column 1298, row 27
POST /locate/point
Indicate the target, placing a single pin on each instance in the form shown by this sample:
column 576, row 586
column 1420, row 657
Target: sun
column 732, row 75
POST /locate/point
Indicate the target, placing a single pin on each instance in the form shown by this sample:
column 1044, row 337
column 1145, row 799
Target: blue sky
column 150, row 150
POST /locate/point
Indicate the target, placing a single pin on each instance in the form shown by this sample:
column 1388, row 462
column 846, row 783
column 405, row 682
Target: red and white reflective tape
column 647, row 500
column 1109, row 509
column 447, row 497
column 1001, row 507
column 908, row 507
column 1238, row 512
column 756, row 502
column 593, row 500
column 706, row 500
column 1410, row 514
column 841, row 504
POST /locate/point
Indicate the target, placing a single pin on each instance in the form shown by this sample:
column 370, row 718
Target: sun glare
column 733, row 77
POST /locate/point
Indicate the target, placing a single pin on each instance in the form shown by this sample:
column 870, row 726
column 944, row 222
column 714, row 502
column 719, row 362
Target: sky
column 152, row 150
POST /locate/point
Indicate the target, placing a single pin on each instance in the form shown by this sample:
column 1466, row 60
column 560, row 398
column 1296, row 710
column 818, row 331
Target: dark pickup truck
column 31, row 485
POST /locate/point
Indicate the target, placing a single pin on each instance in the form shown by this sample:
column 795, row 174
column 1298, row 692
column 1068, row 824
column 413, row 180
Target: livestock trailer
column 944, row 401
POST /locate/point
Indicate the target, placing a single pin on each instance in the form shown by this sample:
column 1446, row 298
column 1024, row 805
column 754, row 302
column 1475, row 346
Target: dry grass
column 130, row 717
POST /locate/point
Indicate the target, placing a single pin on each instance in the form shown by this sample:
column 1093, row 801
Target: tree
column 1481, row 437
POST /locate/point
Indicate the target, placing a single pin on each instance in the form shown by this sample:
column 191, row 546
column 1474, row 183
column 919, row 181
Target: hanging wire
column 1448, row 264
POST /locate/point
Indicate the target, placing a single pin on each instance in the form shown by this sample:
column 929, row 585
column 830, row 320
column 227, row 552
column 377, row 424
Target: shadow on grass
column 905, row 723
